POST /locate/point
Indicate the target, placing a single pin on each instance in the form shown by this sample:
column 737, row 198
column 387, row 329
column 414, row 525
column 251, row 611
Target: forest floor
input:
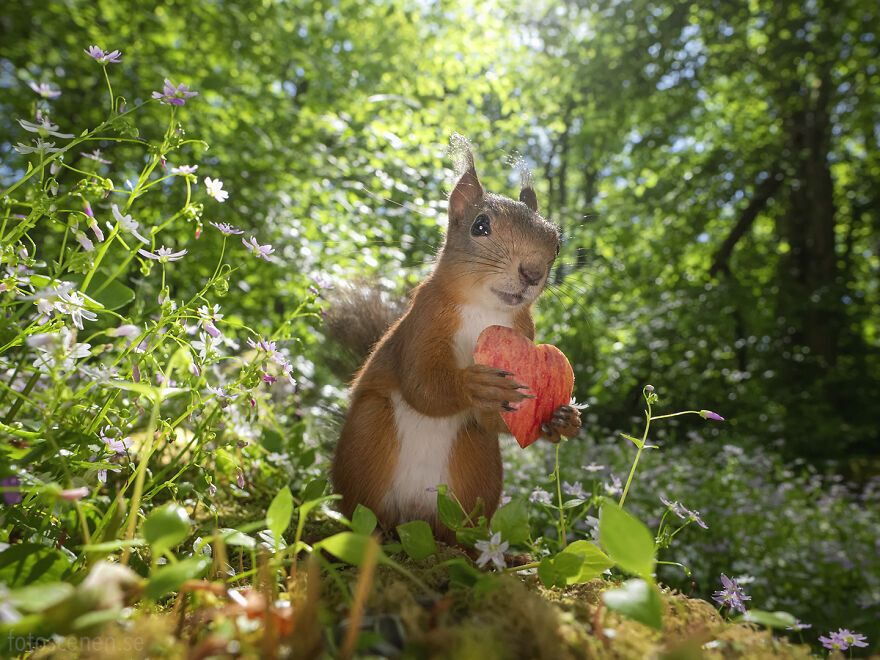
column 437, row 611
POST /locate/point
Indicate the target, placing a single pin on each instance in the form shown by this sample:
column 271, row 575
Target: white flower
column 540, row 496
column 492, row 550
column 259, row 251
column 185, row 169
column 96, row 156
column 73, row 304
column 204, row 345
column 128, row 223
column 43, row 126
column 51, row 353
column 575, row 490
column 125, row 330
column 163, row 254
column 214, row 187
column 40, row 147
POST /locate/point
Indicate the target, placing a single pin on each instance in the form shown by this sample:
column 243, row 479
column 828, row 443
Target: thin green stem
column 632, row 471
column 563, row 535
column 109, row 89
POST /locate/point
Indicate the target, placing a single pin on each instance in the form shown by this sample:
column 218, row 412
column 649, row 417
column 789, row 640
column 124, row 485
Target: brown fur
column 416, row 357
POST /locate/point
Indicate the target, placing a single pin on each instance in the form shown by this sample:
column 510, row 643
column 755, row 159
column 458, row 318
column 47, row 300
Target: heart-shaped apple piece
column 542, row 367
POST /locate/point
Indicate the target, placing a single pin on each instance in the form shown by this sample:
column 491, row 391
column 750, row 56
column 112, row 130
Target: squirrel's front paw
column 566, row 421
column 489, row 388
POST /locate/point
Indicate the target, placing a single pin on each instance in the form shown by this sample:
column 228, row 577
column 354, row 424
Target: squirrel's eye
column 481, row 226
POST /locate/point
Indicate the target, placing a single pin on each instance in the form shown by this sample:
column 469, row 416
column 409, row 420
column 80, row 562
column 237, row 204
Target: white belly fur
column 425, row 442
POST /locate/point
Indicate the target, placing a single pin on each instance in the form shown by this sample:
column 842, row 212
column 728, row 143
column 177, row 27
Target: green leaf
column 637, row 600
column 512, row 520
column 627, row 540
column 39, row 597
column 110, row 295
column 314, row 489
column 462, row 573
column 280, row 512
column 417, row 539
column 110, row 546
column 769, row 619
column 363, row 521
column 170, row 577
column 581, row 561
column 237, row 538
column 166, row 527
column 348, row 547
column 30, row 563
column 448, row 509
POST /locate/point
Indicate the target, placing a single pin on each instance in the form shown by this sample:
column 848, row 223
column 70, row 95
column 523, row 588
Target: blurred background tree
column 714, row 166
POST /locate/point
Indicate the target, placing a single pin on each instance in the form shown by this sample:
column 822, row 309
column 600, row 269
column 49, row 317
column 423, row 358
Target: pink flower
column 74, row 494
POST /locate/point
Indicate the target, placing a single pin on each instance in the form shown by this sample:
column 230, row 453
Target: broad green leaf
column 770, row 619
column 39, row 597
column 166, row 527
column 363, row 521
column 237, row 538
column 314, row 489
column 512, row 520
column 30, row 563
column 280, row 512
column 348, row 547
column 448, row 509
column 579, row 562
column 169, row 578
column 637, row 600
column 627, row 540
column 417, row 539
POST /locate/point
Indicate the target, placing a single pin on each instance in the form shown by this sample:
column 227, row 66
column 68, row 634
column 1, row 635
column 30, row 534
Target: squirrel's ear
column 468, row 192
column 527, row 193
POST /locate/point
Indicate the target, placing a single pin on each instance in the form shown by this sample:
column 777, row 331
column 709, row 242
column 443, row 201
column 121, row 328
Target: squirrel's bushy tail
column 356, row 317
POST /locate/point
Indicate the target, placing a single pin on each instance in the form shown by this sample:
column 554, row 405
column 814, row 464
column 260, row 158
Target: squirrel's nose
column 530, row 276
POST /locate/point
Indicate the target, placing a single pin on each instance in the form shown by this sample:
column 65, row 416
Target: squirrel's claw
column 488, row 388
column 566, row 420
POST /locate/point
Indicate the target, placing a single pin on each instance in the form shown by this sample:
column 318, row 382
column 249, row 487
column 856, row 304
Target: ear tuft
column 527, row 193
column 468, row 192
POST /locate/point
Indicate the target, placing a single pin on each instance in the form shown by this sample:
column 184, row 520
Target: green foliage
column 627, row 541
column 166, row 527
column 279, row 513
column 512, row 520
column 638, row 600
column 417, row 539
column 579, row 562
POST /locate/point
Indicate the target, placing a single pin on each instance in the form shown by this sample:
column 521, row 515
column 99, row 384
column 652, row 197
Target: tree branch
column 764, row 192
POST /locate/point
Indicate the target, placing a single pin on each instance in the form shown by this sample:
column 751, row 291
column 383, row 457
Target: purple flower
column 103, row 57
column 259, row 251
column 575, row 490
column 163, row 254
column 74, row 494
column 11, row 496
column 708, row 414
column 226, row 229
column 731, row 595
column 45, row 90
column 239, row 479
column 540, row 496
column 269, row 378
column 174, row 95
column 843, row 639
column 799, row 625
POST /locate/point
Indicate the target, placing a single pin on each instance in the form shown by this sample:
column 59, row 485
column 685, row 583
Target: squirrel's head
column 499, row 251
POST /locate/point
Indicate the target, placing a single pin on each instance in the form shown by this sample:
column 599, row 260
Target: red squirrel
column 422, row 413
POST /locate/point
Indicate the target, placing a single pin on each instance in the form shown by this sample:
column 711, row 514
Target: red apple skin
column 542, row 367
